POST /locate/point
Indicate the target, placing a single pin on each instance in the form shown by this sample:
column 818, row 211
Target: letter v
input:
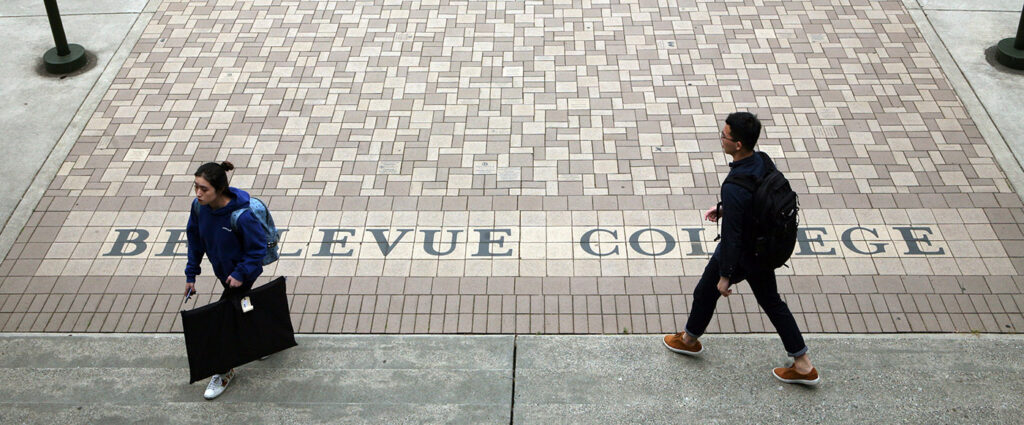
column 382, row 240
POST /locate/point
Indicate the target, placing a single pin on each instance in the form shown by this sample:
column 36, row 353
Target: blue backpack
column 259, row 209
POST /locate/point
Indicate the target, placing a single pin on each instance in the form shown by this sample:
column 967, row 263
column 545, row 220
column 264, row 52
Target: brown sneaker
column 675, row 343
column 789, row 375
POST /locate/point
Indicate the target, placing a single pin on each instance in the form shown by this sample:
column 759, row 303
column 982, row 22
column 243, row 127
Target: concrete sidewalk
column 523, row 379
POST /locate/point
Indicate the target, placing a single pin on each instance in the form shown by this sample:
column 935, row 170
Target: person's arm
column 196, row 249
column 254, row 247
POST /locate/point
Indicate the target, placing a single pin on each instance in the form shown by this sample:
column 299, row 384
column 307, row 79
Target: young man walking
column 733, row 260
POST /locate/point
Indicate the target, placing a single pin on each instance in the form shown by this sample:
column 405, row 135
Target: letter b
column 125, row 237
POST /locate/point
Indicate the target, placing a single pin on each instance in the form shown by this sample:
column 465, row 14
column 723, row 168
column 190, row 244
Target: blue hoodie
column 236, row 254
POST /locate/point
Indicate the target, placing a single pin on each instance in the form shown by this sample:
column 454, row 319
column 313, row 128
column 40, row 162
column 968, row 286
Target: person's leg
column 219, row 382
column 227, row 292
column 705, row 297
column 236, row 294
column 765, row 288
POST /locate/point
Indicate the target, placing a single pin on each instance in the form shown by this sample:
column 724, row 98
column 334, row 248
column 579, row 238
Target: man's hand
column 234, row 283
column 723, row 286
column 190, row 287
column 713, row 214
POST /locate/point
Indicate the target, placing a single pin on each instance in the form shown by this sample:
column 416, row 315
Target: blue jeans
column 762, row 283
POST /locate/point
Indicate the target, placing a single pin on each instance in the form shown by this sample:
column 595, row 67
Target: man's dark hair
column 745, row 128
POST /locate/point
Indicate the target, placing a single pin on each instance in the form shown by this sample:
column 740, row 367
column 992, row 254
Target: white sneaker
column 218, row 383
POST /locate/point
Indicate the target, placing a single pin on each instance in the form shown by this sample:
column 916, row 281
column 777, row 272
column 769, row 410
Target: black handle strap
column 718, row 223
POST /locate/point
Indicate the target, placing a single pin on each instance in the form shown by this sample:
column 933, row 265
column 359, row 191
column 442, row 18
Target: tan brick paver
column 429, row 119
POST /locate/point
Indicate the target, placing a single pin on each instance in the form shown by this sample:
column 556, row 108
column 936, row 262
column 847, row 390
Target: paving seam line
column 242, row 403
column 921, row 335
column 261, row 369
column 512, row 403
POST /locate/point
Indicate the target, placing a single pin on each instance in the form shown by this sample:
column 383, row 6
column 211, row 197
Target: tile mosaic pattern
column 548, row 119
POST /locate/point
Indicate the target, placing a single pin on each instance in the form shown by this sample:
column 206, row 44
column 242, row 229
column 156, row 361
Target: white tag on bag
column 246, row 305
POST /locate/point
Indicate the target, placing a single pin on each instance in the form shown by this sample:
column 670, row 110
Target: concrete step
column 557, row 379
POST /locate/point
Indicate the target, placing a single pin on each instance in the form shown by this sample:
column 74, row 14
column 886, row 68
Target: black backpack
column 774, row 210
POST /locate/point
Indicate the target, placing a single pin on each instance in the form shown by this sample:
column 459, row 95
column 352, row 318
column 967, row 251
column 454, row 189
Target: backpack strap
column 746, row 181
column 769, row 165
column 749, row 181
column 234, row 217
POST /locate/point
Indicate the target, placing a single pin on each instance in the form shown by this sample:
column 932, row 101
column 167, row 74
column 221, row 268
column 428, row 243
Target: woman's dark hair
column 745, row 127
column 216, row 174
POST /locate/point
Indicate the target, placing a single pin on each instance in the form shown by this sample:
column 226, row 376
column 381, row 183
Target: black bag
column 774, row 210
column 220, row 335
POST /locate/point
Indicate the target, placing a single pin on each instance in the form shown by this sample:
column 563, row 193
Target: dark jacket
column 232, row 253
column 735, row 250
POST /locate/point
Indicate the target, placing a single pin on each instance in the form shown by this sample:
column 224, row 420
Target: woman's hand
column 234, row 283
column 190, row 287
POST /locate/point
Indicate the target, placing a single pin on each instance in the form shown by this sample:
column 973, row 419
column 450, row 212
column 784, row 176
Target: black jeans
column 762, row 283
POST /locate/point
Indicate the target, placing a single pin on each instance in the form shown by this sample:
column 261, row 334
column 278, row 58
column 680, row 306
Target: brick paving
column 526, row 166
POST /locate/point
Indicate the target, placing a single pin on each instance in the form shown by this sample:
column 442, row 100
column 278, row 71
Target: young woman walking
column 235, row 251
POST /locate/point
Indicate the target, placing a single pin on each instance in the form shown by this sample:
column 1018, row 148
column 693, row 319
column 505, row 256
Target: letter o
column 634, row 242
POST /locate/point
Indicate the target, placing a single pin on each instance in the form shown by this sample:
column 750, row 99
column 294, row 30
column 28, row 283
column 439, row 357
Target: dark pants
column 762, row 283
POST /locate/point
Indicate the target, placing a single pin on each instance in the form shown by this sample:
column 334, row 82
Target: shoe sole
column 808, row 382
column 211, row 398
column 683, row 352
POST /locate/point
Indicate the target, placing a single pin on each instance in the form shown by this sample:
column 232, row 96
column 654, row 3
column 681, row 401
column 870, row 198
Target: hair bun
column 227, row 166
